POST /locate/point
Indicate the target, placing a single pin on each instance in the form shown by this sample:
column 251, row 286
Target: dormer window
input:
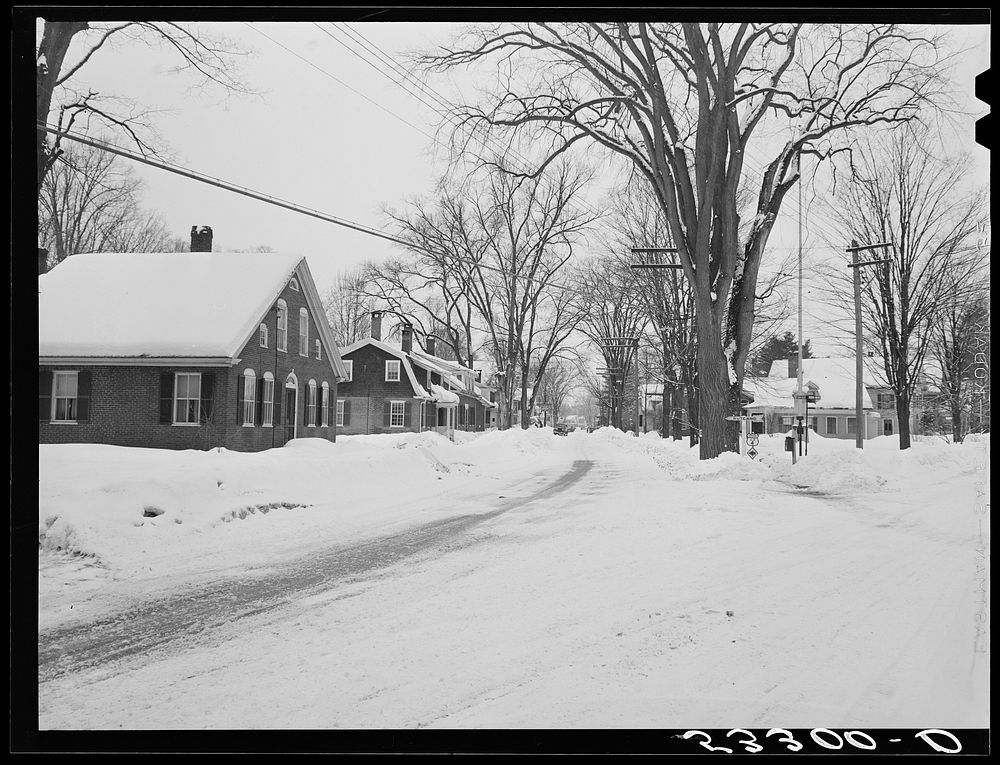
column 263, row 335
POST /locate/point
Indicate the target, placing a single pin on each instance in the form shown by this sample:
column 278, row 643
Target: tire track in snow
column 167, row 623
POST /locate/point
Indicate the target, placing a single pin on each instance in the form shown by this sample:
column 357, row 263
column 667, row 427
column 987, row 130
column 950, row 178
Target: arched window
column 263, row 335
column 319, row 349
column 311, row 404
column 249, row 396
column 303, row 332
column 325, row 407
column 267, row 408
column 282, row 325
column 294, row 284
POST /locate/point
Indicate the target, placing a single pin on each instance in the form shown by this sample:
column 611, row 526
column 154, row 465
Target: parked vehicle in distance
column 562, row 428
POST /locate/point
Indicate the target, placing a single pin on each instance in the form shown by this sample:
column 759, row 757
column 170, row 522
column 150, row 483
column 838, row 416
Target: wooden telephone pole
column 860, row 426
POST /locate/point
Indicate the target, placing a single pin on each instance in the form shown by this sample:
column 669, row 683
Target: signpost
column 748, row 439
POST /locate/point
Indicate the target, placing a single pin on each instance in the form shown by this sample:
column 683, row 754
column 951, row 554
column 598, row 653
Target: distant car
column 562, row 428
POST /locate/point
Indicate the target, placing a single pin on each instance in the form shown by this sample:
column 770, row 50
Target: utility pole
column 859, row 384
column 659, row 263
column 637, row 385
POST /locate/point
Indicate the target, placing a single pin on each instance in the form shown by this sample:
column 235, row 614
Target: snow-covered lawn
column 644, row 589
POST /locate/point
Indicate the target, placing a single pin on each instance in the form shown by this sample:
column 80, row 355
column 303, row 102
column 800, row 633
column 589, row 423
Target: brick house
column 390, row 390
column 184, row 351
column 832, row 413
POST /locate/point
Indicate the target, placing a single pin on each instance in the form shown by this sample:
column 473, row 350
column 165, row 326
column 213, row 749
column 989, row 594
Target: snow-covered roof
column 165, row 305
column 836, row 367
column 418, row 389
column 833, row 376
column 442, row 395
column 440, row 366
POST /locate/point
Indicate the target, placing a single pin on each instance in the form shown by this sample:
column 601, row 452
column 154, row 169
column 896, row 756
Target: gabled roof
column 833, row 376
column 398, row 353
column 177, row 305
column 833, row 368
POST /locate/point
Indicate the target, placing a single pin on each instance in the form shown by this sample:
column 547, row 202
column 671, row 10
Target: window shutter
column 44, row 394
column 166, row 397
column 83, row 395
column 207, row 396
column 347, row 412
column 259, row 414
column 386, row 413
column 406, row 414
column 240, row 383
column 278, row 396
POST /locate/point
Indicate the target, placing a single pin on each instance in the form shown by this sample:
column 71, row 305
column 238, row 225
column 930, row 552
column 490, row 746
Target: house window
column 886, row 427
column 294, row 284
column 852, row 426
column 319, row 349
column 787, row 421
column 303, row 332
column 263, row 335
column 397, row 414
column 814, row 424
column 340, row 412
column 349, row 366
column 282, row 326
column 831, row 426
column 267, row 408
column 325, row 406
column 187, row 397
column 249, row 396
column 392, row 370
column 311, row 404
column 886, row 401
column 64, row 396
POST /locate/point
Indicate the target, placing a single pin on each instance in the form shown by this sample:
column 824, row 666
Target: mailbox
column 789, row 443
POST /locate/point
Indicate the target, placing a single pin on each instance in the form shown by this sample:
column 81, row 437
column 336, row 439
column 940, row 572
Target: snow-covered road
column 588, row 582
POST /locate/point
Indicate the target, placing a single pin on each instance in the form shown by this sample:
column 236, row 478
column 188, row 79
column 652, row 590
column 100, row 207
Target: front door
column 290, row 414
column 887, row 427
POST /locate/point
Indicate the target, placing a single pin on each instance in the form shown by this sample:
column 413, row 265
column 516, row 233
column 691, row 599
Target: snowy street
column 514, row 580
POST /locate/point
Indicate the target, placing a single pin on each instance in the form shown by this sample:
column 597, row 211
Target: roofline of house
column 140, row 361
column 312, row 298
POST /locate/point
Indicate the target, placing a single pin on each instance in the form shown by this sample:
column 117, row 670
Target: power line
column 269, row 199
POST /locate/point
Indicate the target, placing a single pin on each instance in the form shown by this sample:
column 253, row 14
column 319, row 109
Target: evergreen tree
column 778, row 348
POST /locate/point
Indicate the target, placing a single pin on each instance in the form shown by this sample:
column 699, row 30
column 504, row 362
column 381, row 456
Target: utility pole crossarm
column 653, row 263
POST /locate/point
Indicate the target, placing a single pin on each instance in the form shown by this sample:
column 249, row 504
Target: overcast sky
column 330, row 132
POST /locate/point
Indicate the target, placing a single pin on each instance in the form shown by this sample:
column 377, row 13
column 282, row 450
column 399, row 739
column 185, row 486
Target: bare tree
column 960, row 350
column 348, row 307
column 682, row 103
column 901, row 193
column 561, row 378
column 90, row 203
column 487, row 264
column 66, row 47
column 613, row 314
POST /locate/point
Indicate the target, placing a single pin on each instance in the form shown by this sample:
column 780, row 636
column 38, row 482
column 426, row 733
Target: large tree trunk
column 956, row 420
column 903, row 415
column 715, row 402
column 56, row 38
column 667, row 408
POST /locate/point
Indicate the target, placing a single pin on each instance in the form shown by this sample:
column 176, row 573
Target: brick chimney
column 201, row 239
column 376, row 325
column 407, row 342
column 430, row 344
column 793, row 366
